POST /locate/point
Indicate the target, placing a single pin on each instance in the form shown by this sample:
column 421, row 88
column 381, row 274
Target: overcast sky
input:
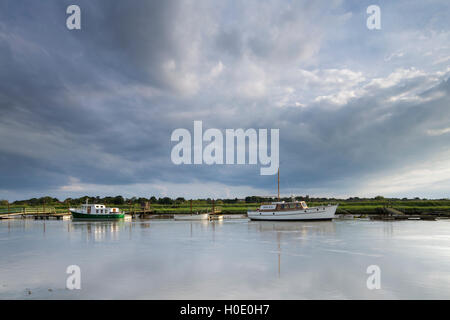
column 90, row 112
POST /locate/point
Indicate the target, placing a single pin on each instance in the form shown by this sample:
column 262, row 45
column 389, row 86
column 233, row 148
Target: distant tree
column 153, row 200
column 132, row 200
column 119, row 200
column 108, row 200
column 379, row 198
column 252, row 199
column 142, row 200
column 165, row 200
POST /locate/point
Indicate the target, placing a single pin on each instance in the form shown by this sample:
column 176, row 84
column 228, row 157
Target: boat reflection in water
column 106, row 230
column 303, row 227
column 100, row 230
column 296, row 232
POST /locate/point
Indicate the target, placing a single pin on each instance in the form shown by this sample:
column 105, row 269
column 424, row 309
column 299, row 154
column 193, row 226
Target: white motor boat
column 292, row 211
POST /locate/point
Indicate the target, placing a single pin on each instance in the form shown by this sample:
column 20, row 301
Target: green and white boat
column 96, row 212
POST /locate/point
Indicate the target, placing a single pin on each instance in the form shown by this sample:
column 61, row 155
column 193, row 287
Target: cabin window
column 96, row 211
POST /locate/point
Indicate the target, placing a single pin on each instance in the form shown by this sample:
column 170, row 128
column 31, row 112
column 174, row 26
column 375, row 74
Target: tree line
column 120, row 200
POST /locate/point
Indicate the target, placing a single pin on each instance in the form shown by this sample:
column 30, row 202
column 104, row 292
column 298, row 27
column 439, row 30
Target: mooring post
column 8, row 206
column 278, row 184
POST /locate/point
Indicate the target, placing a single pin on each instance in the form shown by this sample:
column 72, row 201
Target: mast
column 278, row 184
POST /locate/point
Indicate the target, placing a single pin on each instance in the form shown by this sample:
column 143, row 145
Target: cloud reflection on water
column 161, row 259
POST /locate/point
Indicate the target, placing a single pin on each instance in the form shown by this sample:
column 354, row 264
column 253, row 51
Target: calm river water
column 232, row 259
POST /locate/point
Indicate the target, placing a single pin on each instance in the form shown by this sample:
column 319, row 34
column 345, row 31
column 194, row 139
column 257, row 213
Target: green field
column 367, row 206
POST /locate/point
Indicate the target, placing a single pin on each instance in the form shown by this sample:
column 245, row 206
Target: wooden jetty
column 430, row 217
column 146, row 212
column 392, row 214
column 215, row 215
column 43, row 213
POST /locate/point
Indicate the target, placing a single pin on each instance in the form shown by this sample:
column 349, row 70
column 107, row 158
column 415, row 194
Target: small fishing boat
column 186, row 217
column 209, row 215
column 96, row 212
column 291, row 211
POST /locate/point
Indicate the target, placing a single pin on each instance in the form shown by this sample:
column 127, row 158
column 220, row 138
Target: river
column 230, row 259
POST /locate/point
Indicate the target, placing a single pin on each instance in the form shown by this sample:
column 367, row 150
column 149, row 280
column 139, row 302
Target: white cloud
column 430, row 178
column 396, row 77
column 438, row 132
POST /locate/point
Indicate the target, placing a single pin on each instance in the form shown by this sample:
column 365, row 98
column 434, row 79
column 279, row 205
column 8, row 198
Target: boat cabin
column 98, row 209
column 281, row 206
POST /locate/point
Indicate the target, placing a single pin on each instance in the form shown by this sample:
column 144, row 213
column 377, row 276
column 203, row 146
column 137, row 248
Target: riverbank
column 346, row 207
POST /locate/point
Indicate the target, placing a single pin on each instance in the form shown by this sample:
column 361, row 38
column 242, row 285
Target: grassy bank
column 369, row 206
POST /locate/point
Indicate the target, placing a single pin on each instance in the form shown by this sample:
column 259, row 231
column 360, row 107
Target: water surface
column 233, row 259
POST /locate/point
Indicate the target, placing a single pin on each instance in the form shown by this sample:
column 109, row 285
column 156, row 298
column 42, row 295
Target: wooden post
column 43, row 207
column 278, row 184
column 213, row 209
column 191, row 205
column 8, row 205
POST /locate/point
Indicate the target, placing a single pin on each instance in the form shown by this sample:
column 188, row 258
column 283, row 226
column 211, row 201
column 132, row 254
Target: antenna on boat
column 278, row 184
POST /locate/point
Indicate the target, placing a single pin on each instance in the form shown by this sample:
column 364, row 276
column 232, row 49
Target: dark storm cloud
column 99, row 104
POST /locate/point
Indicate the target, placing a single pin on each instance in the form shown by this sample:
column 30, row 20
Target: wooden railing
column 39, row 210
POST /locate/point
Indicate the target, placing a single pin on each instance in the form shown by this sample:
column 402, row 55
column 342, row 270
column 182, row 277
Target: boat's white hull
column 202, row 216
column 314, row 213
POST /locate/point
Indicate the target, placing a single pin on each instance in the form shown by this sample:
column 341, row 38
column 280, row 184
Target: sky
column 90, row 112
